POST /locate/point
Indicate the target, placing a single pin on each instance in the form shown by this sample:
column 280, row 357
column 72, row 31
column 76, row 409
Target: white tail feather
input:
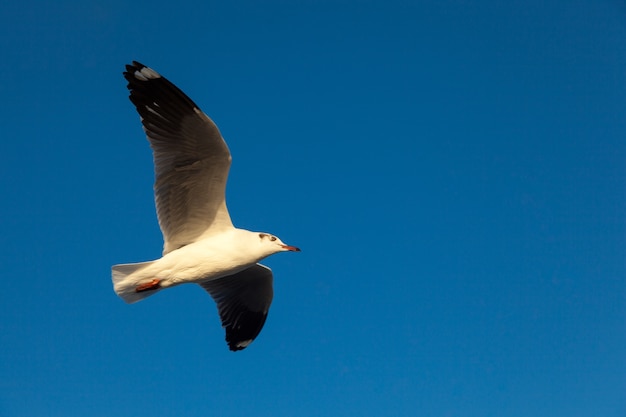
column 125, row 284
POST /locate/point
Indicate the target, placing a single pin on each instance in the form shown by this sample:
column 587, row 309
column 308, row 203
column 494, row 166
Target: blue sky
column 453, row 170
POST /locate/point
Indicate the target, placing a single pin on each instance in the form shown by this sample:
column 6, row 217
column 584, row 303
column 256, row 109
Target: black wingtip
column 135, row 65
column 131, row 68
column 247, row 328
column 147, row 86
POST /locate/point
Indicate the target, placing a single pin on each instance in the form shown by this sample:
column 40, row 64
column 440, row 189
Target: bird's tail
column 126, row 280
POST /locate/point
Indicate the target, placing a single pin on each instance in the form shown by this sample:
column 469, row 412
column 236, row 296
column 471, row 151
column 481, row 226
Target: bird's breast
column 199, row 262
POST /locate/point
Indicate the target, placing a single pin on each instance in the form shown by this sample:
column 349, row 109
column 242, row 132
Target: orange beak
column 291, row 248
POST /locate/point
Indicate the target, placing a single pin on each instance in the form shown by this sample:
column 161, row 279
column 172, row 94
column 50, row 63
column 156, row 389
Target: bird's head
column 272, row 244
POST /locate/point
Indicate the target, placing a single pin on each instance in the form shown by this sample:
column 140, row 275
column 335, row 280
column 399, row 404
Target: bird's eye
column 272, row 238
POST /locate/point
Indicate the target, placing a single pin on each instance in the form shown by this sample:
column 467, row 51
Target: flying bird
column 201, row 245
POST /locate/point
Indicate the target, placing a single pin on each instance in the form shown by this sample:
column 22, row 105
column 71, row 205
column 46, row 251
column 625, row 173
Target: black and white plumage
column 201, row 245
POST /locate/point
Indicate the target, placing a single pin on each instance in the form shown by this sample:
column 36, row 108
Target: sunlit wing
column 191, row 159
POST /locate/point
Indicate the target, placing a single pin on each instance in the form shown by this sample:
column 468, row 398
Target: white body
column 220, row 255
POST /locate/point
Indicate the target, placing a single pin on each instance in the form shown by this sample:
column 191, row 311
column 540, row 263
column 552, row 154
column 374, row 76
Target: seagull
column 201, row 245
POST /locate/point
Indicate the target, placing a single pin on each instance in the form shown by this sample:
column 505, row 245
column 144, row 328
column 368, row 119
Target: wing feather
column 243, row 301
column 191, row 159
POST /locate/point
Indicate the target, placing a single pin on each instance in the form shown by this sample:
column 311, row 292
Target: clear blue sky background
column 454, row 172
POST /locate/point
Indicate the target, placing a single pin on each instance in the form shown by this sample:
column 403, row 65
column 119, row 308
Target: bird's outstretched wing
column 191, row 159
column 243, row 301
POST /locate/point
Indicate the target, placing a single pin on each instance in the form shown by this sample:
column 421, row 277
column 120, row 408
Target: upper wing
column 243, row 301
column 191, row 159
